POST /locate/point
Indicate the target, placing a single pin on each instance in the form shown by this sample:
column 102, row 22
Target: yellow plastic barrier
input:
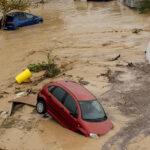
column 24, row 76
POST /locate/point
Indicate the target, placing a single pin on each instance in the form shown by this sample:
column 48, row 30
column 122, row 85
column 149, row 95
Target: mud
column 133, row 101
column 99, row 45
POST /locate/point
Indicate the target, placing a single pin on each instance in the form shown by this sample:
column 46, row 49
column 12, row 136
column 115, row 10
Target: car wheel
column 41, row 21
column 41, row 107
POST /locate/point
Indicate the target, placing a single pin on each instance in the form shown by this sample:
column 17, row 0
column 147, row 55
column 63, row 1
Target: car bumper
column 10, row 27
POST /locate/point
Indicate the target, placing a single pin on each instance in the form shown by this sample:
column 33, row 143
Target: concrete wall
column 130, row 3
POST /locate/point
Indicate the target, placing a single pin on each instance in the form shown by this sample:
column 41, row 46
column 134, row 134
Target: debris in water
column 81, row 81
column 4, row 114
column 136, row 31
column 20, row 94
column 116, row 58
column 47, row 116
column 4, row 92
column 130, row 64
column 28, row 100
column 30, row 91
column 148, row 52
column 1, row 96
column 24, row 76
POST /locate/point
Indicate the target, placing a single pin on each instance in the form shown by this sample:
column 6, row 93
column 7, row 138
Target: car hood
column 99, row 128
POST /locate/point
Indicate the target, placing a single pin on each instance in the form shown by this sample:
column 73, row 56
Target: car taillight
column 10, row 22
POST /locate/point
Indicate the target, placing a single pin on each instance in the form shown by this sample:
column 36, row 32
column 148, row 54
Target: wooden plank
column 27, row 100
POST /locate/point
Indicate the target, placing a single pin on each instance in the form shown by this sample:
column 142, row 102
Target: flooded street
column 86, row 38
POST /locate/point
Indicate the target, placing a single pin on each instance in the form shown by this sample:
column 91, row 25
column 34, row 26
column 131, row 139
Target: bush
column 50, row 67
column 143, row 6
column 37, row 67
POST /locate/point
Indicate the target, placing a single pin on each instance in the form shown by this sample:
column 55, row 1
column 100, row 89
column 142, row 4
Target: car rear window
column 9, row 18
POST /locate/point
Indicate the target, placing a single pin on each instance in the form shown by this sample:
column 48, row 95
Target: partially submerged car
column 15, row 20
column 74, row 107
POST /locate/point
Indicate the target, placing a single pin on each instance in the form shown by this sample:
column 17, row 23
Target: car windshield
column 92, row 111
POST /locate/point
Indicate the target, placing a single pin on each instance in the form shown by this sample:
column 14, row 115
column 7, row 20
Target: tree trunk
column 3, row 23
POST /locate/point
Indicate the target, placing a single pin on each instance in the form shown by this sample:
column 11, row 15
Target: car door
column 31, row 19
column 22, row 20
column 55, row 97
column 70, row 111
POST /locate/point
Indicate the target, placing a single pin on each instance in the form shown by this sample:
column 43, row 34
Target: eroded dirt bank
column 85, row 37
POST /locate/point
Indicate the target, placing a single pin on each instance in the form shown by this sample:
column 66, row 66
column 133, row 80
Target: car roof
column 81, row 93
column 13, row 14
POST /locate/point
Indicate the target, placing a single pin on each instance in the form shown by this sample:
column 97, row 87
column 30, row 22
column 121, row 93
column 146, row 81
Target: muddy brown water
column 87, row 36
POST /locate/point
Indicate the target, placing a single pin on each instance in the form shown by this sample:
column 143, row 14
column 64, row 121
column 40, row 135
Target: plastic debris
column 24, row 76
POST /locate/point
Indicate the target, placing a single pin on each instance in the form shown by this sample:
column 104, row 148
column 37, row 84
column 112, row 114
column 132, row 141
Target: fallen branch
column 116, row 58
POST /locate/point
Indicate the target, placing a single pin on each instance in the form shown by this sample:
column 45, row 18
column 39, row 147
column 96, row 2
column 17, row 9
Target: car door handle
column 49, row 96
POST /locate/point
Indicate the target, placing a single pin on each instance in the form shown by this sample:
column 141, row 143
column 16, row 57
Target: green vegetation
column 50, row 67
column 7, row 6
column 143, row 6
column 37, row 67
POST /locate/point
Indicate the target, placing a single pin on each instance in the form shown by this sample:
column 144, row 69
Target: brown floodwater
column 88, row 35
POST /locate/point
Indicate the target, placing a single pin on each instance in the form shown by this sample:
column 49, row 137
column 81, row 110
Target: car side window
column 71, row 105
column 51, row 88
column 29, row 16
column 59, row 93
column 22, row 16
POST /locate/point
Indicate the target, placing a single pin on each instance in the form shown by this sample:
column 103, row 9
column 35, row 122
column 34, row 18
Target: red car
column 74, row 107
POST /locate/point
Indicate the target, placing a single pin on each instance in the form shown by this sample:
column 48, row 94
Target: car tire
column 41, row 21
column 41, row 107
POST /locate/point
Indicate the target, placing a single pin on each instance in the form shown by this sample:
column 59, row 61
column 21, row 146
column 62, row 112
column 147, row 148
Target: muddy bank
column 87, row 39
column 130, row 94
